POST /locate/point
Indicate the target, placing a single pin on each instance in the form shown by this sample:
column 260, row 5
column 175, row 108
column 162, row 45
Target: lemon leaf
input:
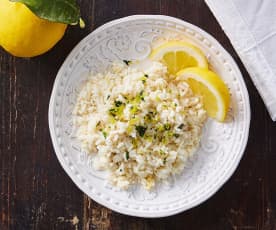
column 62, row 11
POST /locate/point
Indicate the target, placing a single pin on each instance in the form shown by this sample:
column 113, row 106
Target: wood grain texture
column 37, row 194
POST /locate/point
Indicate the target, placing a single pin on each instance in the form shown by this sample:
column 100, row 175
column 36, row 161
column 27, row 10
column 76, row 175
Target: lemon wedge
column 214, row 92
column 177, row 55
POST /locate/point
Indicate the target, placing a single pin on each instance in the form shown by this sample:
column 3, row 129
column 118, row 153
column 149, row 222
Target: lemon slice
column 215, row 94
column 177, row 55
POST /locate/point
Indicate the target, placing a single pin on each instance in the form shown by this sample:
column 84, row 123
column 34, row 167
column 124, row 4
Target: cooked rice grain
column 141, row 126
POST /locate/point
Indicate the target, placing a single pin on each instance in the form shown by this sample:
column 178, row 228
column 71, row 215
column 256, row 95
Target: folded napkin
column 251, row 28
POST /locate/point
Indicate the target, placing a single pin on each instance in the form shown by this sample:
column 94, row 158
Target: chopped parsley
column 141, row 95
column 148, row 117
column 144, row 78
column 141, row 130
column 117, row 110
column 164, row 160
column 167, row 126
column 118, row 103
column 104, row 134
column 113, row 112
column 108, row 96
column 98, row 124
column 127, row 155
column 127, row 62
column 180, row 126
column 176, row 135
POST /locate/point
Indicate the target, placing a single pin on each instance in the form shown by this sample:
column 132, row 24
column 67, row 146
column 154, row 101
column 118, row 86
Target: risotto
column 140, row 126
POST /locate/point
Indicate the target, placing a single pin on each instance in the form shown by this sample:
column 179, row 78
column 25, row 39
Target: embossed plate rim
column 74, row 175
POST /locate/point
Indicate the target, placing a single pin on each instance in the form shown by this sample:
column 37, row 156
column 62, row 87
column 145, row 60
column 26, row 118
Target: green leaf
column 141, row 130
column 63, row 11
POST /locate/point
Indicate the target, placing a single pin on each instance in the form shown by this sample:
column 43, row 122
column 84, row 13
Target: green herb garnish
column 127, row 62
column 118, row 103
column 176, row 135
column 144, row 78
column 148, row 117
column 108, row 96
column 113, row 112
column 141, row 94
column 104, row 134
column 167, row 126
column 98, row 124
column 127, row 155
column 117, row 111
column 141, row 130
column 147, row 76
column 180, row 126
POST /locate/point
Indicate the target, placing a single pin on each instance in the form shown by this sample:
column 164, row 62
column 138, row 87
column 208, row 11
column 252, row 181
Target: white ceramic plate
column 222, row 144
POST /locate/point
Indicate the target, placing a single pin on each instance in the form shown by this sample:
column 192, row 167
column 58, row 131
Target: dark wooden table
column 37, row 194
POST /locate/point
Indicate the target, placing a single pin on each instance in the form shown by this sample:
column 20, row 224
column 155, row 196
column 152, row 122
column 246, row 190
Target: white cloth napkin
column 251, row 28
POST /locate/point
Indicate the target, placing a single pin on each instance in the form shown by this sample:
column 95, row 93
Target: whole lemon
column 23, row 34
